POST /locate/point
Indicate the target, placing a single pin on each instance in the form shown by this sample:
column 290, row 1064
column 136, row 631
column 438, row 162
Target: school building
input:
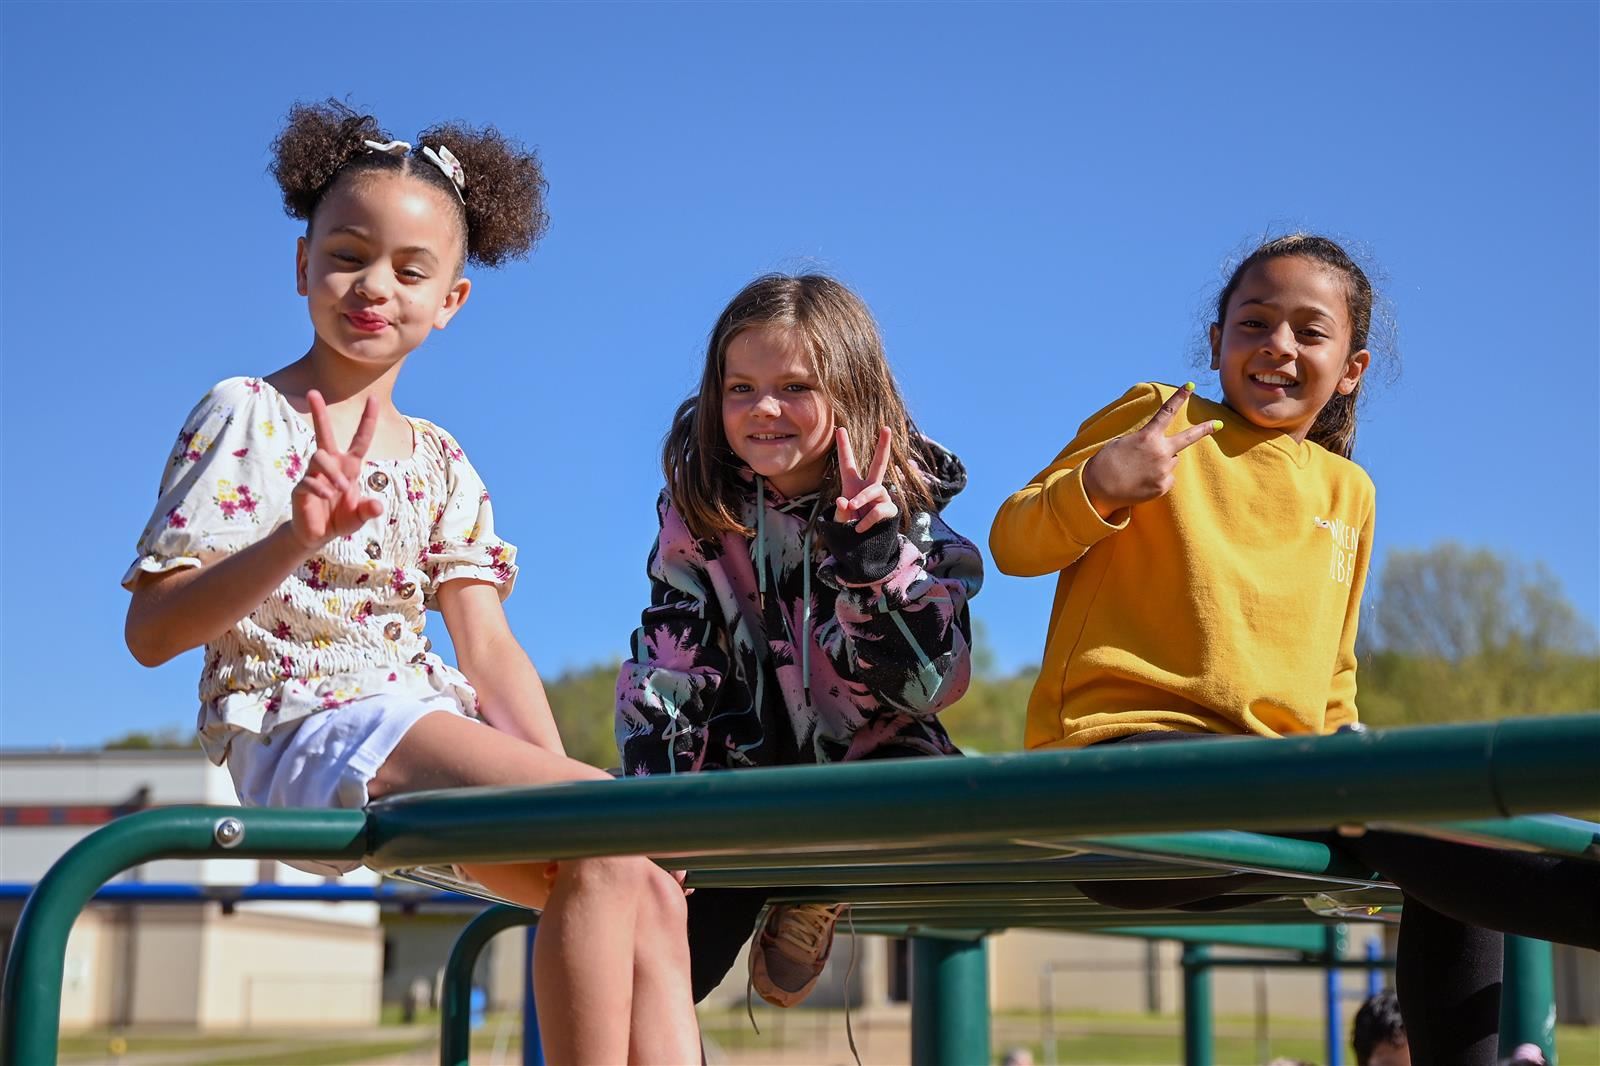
column 293, row 965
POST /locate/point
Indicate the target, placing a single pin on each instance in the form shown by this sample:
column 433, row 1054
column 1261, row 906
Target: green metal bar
column 1528, row 997
column 455, row 1015
column 949, row 1002
column 30, row 1002
column 1306, row 938
column 1019, row 891
column 1064, row 868
column 780, row 856
column 1553, row 833
column 1432, row 773
column 1231, row 850
column 1198, row 1043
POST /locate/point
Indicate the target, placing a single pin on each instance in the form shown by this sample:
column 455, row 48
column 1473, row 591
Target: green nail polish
column 1188, row 386
column 1217, row 424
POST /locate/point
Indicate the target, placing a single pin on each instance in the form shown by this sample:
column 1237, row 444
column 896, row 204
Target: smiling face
column 1283, row 348
column 774, row 413
column 379, row 267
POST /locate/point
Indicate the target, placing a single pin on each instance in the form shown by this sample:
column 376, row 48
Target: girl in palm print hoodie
column 805, row 607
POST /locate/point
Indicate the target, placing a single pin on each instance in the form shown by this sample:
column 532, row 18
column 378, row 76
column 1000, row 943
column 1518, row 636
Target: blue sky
column 1035, row 200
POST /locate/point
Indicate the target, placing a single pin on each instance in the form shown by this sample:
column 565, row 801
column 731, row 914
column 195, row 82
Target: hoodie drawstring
column 805, row 582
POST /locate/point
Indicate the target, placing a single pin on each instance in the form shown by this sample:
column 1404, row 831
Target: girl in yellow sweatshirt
column 1211, row 559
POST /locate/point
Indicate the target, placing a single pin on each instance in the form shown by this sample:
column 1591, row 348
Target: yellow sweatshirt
column 1228, row 605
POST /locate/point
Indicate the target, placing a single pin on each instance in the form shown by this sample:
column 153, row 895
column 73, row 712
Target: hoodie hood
column 945, row 475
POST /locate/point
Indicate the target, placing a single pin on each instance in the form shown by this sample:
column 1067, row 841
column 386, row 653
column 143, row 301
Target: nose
column 768, row 406
column 1280, row 339
column 374, row 284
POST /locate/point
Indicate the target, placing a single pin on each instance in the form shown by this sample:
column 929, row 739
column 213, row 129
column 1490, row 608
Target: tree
column 1463, row 633
column 583, row 701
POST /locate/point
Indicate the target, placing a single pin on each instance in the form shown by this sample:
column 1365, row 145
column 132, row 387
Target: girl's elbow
column 146, row 639
column 1013, row 561
column 145, row 649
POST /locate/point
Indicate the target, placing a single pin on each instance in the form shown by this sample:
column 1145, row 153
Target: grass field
column 788, row 1037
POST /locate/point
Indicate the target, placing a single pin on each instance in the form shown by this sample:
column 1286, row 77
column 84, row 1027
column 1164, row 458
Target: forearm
column 511, row 694
column 171, row 613
column 906, row 635
column 1048, row 525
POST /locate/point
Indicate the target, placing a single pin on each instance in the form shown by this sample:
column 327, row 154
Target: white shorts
column 325, row 760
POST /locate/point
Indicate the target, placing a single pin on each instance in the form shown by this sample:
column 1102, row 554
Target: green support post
column 1198, row 1045
column 949, row 1002
column 30, row 999
column 455, row 1015
column 1528, row 997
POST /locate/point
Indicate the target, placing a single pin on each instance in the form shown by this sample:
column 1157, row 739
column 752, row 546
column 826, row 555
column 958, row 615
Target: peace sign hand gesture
column 865, row 502
column 1141, row 465
column 328, row 503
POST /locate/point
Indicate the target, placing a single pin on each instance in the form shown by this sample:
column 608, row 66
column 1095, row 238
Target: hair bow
column 446, row 161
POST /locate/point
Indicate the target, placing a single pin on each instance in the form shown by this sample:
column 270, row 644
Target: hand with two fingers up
column 328, row 501
column 1142, row 465
column 865, row 501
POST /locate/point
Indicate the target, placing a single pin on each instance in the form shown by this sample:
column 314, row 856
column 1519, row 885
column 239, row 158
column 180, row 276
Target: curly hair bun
column 316, row 142
column 504, row 194
column 503, row 199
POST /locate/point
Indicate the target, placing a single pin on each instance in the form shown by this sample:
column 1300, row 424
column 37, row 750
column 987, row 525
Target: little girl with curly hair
column 305, row 525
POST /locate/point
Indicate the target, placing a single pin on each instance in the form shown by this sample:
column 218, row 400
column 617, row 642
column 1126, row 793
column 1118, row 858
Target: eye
column 739, row 387
column 797, row 386
column 1315, row 334
column 414, row 274
column 345, row 257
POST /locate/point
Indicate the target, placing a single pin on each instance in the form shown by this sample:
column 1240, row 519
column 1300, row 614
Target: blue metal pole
column 532, row 1049
column 1374, row 973
column 1330, row 984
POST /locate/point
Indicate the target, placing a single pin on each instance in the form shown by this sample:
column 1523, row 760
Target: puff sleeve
column 227, row 481
column 462, row 543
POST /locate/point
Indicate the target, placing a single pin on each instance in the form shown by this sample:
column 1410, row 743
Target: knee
column 665, row 900
column 618, row 876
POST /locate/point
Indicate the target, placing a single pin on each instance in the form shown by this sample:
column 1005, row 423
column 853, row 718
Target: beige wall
column 194, row 966
column 263, row 970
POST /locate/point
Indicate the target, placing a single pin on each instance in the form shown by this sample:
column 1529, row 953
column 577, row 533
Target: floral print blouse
column 348, row 623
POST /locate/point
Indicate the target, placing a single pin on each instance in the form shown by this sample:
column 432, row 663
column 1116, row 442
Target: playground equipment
column 950, row 849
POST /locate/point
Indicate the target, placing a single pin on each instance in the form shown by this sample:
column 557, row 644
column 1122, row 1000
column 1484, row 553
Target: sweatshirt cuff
column 862, row 558
column 1070, row 501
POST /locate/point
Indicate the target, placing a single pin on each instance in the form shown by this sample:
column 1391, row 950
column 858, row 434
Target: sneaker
column 791, row 950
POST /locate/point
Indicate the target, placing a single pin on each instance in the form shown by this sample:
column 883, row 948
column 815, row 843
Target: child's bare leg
column 582, row 961
column 601, row 916
column 663, row 1026
column 445, row 750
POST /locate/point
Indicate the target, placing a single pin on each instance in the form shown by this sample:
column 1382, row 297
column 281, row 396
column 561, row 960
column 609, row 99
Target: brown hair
column 501, row 209
column 701, row 468
column 1335, row 426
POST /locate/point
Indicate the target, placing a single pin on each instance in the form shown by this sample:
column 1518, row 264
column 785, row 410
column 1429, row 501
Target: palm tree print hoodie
column 806, row 643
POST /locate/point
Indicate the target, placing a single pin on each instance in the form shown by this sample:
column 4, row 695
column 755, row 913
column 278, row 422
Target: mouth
column 366, row 321
column 1274, row 380
column 769, row 438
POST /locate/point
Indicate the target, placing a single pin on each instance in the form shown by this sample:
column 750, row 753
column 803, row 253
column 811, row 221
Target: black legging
column 722, row 919
column 1459, row 899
